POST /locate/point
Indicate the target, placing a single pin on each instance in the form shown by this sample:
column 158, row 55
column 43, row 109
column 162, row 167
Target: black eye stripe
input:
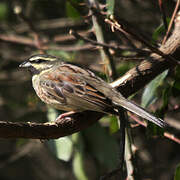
column 39, row 61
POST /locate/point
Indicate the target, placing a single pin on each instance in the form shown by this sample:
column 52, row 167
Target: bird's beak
column 25, row 64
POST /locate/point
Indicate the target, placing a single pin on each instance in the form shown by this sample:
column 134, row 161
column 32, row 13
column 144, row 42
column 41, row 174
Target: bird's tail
column 119, row 100
column 125, row 103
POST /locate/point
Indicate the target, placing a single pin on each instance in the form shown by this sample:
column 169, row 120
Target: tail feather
column 139, row 111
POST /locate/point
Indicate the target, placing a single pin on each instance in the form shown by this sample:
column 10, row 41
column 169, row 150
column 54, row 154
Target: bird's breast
column 39, row 90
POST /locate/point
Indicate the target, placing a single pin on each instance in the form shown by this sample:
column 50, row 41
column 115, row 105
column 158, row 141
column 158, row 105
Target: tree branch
column 30, row 130
column 139, row 76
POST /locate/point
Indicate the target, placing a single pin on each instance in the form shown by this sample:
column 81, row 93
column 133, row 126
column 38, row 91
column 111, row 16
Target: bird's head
column 38, row 63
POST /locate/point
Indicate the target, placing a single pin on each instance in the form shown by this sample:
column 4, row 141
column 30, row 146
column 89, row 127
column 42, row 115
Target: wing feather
column 67, row 86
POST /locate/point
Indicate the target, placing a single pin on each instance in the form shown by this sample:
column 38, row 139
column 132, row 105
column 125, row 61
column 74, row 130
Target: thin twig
column 49, row 24
column 38, row 42
column 123, row 119
column 171, row 22
column 163, row 12
column 172, row 137
column 78, row 36
column 115, row 25
column 110, row 68
column 31, row 43
column 166, row 134
column 129, row 158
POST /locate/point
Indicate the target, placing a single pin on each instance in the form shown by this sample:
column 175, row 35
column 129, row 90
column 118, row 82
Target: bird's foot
column 64, row 115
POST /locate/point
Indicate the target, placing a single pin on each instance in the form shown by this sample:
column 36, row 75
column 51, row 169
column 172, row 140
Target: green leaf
column 111, row 121
column 114, row 126
column 124, row 67
column 71, row 11
column 149, row 95
column 102, row 145
column 158, row 31
column 154, row 130
column 110, row 6
column 78, row 166
column 78, row 160
column 177, row 173
column 51, row 114
column 3, row 10
column 62, row 148
column 177, row 85
column 165, row 97
column 177, row 73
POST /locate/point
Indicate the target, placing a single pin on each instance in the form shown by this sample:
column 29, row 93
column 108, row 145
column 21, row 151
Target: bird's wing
column 67, row 85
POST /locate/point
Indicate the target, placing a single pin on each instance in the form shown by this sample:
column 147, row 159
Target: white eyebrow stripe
column 43, row 58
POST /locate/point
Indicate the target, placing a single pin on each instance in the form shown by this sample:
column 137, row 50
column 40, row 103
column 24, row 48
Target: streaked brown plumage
column 71, row 88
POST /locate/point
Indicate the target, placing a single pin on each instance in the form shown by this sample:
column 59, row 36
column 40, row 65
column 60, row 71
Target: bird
column 68, row 87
